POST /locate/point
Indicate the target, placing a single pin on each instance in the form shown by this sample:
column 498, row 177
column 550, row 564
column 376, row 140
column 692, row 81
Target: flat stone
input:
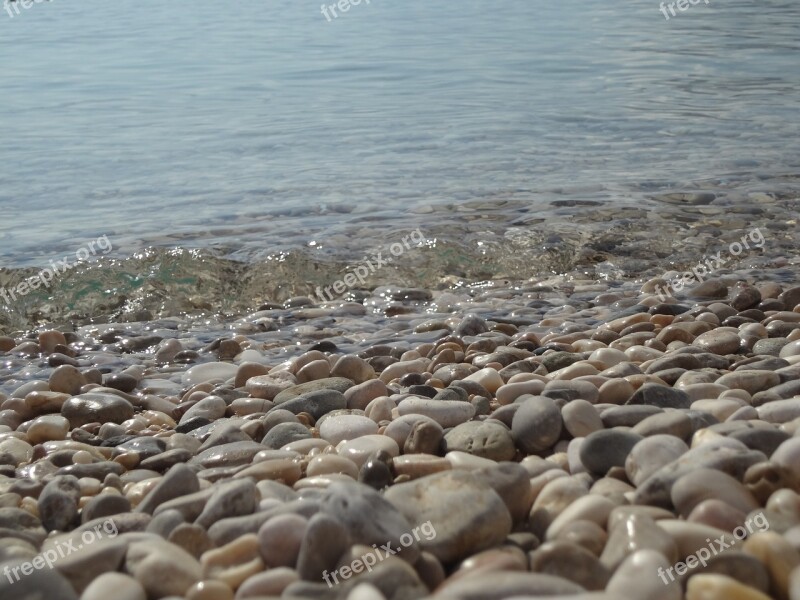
column 208, row 372
column 674, row 423
column 481, row 438
column 571, row 390
column 483, row 520
column 718, row 341
column 338, row 384
column 96, row 407
column 628, row 416
column 447, row 413
column 751, row 381
column 316, row 403
column 652, row 394
column 338, row 428
column 770, row 346
column 228, row 455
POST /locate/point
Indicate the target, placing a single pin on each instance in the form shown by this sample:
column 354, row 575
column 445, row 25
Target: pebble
column 483, row 520
column 96, row 407
column 163, row 569
column 116, row 585
column 661, row 396
column 710, row 586
column 316, row 403
column 233, row 563
column 537, row 424
column 280, row 539
column 571, row 562
column 486, row 439
column 631, row 580
column 704, row 484
column 775, row 553
column 209, row 372
column 581, row 418
column 58, row 502
column 605, row 449
column 339, row 428
column 325, row 540
column 447, row 413
column 636, row 532
column 360, row 449
column 651, row 454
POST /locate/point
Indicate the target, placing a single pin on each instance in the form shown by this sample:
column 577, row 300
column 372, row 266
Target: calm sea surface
column 257, row 129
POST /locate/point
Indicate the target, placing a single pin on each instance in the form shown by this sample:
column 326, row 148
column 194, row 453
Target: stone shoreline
column 570, row 439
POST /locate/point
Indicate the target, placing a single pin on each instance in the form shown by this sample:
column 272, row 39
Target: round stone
column 537, row 424
column 66, row 379
column 338, row 428
column 481, row 438
column 605, row 449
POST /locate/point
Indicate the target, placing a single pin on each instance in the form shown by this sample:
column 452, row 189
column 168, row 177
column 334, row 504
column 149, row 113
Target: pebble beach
column 571, row 439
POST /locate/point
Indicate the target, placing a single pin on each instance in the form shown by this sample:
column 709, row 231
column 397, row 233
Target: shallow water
column 243, row 152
